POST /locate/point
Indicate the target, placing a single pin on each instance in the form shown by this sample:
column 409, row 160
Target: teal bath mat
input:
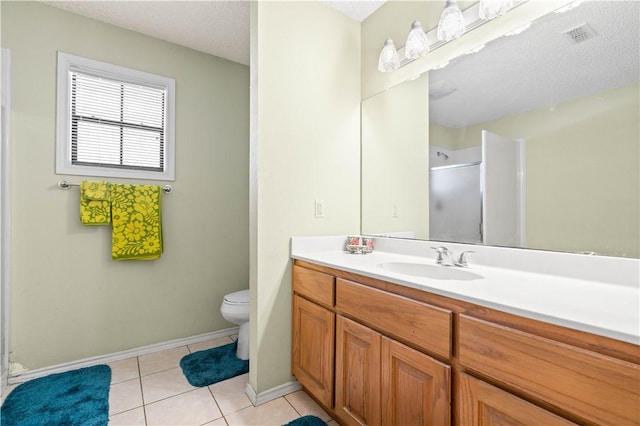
column 204, row 368
column 78, row 397
column 307, row 421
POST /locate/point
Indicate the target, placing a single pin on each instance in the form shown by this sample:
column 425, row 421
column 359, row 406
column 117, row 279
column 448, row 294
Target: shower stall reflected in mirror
column 462, row 182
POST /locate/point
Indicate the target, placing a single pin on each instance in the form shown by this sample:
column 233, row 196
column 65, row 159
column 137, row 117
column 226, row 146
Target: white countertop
column 597, row 307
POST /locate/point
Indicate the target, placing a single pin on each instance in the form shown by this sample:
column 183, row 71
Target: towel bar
column 63, row 184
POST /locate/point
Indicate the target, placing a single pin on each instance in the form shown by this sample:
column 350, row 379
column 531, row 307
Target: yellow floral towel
column 95, row 208
column 136, row 212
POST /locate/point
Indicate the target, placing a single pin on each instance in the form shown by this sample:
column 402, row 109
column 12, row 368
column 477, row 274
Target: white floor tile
column 230, row 394
column 164, row 385
column 161, row 361
column 306, row 406
column 276, row 412
column 220, row 422
column 124, row 396
column 191, row 408
column 124, row 370
column 133, row 417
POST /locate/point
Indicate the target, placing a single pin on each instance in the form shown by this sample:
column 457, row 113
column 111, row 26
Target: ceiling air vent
column 580, row 34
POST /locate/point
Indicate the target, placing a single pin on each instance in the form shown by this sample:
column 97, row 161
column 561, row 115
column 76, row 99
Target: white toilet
column 235, row 309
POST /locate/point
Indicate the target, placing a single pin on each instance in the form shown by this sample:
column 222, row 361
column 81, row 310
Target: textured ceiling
column 541, row 67
column 357, row 10
column 217, row 27
column 220, row 28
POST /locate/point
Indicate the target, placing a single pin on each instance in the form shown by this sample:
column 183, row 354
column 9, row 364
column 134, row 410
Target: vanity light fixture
column 388, row 60
column 490, row 9
column 451, row 23
column 417, row 45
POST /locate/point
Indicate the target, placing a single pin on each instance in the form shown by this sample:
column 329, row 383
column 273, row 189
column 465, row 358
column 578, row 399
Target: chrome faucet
column 445, row 257
column 462, row 259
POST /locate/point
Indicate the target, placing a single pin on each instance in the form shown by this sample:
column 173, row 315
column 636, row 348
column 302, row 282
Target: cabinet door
column 357, row 373
column 480, row 404
column 313, row 340
column 415, row 387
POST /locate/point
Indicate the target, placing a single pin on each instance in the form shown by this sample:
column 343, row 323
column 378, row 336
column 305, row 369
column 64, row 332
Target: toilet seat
column 238, row 298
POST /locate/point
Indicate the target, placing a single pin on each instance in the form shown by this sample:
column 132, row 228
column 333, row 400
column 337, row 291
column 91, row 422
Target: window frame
column 68, row 62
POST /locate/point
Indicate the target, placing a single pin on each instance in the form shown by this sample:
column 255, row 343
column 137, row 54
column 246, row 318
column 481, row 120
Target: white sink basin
column 436, row 272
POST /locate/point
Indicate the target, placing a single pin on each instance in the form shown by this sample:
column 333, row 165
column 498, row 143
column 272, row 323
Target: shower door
column 455, row 203
column 503, row 190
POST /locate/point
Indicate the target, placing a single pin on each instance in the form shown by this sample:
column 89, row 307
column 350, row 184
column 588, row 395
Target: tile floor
column 152, row 390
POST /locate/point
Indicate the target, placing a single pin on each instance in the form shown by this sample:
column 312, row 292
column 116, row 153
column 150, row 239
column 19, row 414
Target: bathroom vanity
column 382, row 348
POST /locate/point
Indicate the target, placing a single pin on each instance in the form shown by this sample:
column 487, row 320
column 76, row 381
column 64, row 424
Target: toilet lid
column 237, row 298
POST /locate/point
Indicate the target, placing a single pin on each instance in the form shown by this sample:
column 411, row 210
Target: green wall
column 69, row 300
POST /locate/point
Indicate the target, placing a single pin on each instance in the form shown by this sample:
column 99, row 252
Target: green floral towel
column 136, row 212
column 95, row 208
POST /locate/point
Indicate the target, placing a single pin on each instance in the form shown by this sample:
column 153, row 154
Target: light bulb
column 417, row 45
column 388, row 60
column 451, row 22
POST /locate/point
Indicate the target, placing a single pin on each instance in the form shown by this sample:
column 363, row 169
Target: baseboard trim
column 271, row 394
column 118, row 356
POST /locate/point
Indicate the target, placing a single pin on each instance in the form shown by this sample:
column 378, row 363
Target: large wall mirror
column 533, row 142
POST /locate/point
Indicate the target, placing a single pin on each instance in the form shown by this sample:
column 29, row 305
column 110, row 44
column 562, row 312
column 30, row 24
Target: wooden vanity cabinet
column 313, row 333
column 402, row 356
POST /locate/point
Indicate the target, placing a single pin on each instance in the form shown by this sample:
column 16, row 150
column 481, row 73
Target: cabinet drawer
column 426, row 327
column 592, row 386
column 314, row 285
column 478, row 403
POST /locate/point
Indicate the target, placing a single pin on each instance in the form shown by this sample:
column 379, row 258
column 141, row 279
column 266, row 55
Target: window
column 113, row 121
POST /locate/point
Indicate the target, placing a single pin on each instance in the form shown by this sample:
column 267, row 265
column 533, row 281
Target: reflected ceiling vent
column 580, row 34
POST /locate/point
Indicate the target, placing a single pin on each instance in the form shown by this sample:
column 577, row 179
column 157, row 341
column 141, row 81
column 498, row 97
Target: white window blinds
column 116, row 124
column 114, row 121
